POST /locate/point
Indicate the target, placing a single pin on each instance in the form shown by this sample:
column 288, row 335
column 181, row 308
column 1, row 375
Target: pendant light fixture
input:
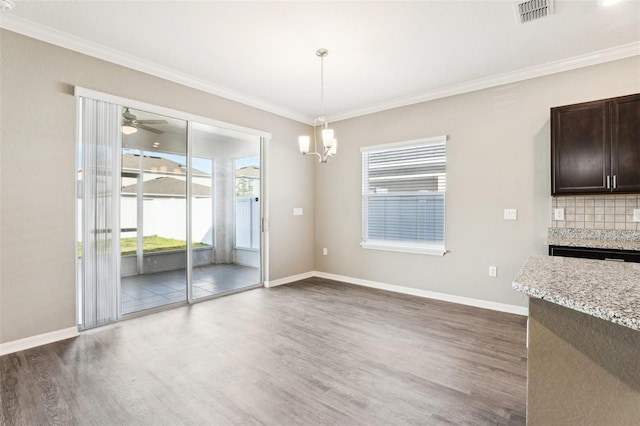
column 329, row 143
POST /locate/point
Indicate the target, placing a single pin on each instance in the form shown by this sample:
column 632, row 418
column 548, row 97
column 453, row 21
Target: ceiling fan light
column 303, row 143
column 128, row 130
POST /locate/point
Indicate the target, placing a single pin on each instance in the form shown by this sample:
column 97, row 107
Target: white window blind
column 403, row 196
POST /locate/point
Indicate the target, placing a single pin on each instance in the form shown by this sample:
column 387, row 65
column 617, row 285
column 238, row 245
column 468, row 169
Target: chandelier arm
column 315, row 153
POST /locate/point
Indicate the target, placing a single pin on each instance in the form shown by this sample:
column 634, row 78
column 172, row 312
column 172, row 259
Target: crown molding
column 67, row 41
column 593, row 58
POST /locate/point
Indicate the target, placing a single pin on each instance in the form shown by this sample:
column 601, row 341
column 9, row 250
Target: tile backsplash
column 596, row 212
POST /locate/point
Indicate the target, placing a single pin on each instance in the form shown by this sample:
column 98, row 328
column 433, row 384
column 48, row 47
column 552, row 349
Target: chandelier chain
column 322, row 86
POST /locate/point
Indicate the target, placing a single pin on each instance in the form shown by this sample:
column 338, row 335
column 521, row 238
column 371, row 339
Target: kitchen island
column 584, row 341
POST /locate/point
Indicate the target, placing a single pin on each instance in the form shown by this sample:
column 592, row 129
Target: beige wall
column 498, row 157
column 37, row 180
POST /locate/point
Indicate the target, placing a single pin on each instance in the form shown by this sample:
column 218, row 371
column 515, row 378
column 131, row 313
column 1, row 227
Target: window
column 403, row 196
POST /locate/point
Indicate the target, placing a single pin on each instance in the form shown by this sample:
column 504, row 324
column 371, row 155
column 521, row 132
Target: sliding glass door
column 219, row 266
column 179, row 205
column 153, row 212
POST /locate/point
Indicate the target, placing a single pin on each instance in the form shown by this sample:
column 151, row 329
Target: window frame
column 425, row 248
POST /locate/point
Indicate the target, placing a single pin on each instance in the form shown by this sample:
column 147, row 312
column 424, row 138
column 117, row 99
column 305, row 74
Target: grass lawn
column 150, row 244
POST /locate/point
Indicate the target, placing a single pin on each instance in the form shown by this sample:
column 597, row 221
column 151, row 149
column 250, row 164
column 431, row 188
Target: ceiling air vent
column 531, row 10
column 6, row 5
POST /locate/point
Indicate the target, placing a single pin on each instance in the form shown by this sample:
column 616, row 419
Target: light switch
column 510, row 214
column 297, row 211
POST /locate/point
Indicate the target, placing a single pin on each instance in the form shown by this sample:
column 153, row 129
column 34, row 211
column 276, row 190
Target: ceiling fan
column 131, row 124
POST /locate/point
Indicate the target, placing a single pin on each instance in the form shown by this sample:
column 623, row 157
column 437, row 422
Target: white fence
column 248, row 222
column 166, row 217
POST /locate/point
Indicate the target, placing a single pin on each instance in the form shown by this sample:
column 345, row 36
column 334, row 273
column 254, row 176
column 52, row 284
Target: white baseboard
column 478, row 303
column 290, row 279
column 38, row 340
column 67, row 333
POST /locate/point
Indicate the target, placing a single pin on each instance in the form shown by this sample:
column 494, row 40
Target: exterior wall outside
column 498, row 157
column 164, row 261
column 246, row 257
column 37, row 196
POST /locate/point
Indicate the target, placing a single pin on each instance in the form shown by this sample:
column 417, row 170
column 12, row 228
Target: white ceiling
column 381, row 54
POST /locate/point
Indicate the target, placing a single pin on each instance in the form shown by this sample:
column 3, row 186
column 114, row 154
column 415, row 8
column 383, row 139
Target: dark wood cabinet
column 595, row 147
column 595, row 253
column 625, row 143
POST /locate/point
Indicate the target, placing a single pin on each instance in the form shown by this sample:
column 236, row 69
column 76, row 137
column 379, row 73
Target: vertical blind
column 99, row 192
column 403, row 192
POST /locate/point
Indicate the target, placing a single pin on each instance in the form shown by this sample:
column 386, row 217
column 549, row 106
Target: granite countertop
column 604, row 289
column 594, row 238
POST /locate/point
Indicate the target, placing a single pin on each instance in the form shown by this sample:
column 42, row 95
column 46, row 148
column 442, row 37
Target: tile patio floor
column 141, row 292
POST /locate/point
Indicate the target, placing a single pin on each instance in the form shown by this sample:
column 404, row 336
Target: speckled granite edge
column 594, row 238
column 614, row 317
column 594, row 234
column 583, row 284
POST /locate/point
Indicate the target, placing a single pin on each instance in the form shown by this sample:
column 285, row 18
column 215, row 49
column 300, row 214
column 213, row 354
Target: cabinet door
column 625, row 153
column 580, row 148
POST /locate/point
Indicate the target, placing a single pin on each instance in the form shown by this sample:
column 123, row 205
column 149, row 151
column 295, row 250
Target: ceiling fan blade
column 152, row 122
column 149, row 129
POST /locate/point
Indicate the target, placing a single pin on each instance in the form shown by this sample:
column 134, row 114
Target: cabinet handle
column 608, row 182
column 615, row 182
column 609, row 259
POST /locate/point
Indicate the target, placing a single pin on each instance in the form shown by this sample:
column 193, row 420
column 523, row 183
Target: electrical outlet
column 636, row 215
column 558, row 214
column 297, row 211
column 510, row 214
column 325, row 251
column 493, row 271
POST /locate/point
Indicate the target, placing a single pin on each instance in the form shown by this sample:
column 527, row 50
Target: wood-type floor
column 309, row 353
